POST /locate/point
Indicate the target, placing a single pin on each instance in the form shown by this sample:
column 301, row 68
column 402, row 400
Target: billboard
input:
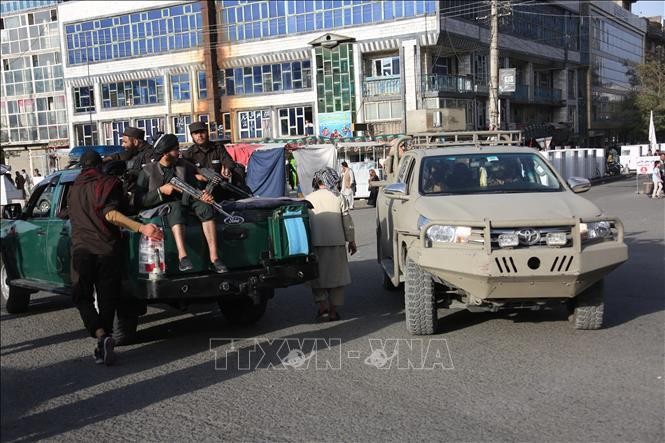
column 335, row 124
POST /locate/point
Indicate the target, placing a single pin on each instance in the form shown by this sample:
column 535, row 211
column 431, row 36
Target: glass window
column 84, row 100
column 95, row 41
column 294, row 121
column 252, row 124
column 203, row 90
column 180, row 124
column 86, row 134
column 487, row 174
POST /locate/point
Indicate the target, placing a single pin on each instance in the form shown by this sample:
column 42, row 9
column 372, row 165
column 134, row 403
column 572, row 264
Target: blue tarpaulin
column 266, row 174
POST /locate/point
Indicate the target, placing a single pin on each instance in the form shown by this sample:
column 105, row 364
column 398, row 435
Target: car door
column 31, row 233
column 388, row 210
column 58, row 239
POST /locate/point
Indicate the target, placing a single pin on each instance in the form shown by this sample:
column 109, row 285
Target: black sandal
column 337, row 317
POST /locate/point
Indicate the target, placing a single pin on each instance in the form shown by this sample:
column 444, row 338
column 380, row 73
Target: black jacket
column 209, row 155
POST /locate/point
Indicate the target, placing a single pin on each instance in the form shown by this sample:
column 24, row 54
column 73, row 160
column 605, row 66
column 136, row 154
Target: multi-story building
column 615, row 45
column 134, row 64
column 290, row 68
column 33, row 116
column 655, row 37
column 294, row 68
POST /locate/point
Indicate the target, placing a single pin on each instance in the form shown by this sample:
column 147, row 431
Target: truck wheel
column 16, row 300
column 419, row 301
column 124, row 328
column 589, row 308
column 244, row 312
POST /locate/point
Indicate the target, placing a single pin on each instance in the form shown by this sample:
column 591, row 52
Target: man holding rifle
column 154, row 189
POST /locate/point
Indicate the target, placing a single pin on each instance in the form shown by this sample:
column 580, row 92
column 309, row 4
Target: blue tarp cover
column 266, row 174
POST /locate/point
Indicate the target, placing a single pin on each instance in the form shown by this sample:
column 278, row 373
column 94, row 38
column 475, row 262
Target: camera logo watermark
column 329, row 354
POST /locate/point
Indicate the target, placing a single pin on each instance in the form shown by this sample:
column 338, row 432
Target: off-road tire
column 419, row 300
column 16, row 299
column 244, row 312
column 124, row 328
column 589, row 308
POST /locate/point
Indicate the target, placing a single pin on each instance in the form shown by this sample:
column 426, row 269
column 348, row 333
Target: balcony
column 521, row 94
column 448, row 83
column 546, row 95
column 377, row 87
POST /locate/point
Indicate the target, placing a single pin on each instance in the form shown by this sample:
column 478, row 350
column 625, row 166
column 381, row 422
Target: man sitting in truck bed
column 154, row 189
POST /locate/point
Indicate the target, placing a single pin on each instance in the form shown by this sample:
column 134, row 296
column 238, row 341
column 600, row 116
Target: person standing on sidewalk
column 92, row 207
column 657, row 178
column 348, row 184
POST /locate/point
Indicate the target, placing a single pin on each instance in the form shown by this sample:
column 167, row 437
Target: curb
column 610, row 179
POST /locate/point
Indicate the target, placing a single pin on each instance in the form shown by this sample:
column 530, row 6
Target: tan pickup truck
column 490, row 228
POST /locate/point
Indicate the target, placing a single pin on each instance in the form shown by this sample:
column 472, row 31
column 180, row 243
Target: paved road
column 491, row 376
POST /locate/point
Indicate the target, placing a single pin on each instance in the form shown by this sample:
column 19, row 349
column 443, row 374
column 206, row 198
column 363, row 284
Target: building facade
column 616, row 42
column 129, row 64
column 291, row 68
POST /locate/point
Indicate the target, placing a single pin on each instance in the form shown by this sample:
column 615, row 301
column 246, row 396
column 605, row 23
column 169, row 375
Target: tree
column 650, row 93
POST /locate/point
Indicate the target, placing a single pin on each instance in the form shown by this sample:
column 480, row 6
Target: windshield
column 486, row 174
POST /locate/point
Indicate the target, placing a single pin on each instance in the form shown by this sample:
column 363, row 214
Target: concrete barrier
column 587, row 163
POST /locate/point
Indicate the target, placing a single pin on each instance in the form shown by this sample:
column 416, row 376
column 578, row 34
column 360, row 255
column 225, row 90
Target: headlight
column 596, row 231
column 447, row 234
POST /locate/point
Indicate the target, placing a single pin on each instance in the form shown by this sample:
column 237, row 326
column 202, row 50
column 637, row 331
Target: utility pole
column 494, row 66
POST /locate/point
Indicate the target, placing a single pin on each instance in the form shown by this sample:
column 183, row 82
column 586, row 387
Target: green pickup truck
column 265, row 245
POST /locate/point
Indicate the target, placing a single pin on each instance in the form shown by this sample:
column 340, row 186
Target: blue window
column 144, row 33
column 180, row 89
column 135, row 92
column 267, row 78
column 203, row 90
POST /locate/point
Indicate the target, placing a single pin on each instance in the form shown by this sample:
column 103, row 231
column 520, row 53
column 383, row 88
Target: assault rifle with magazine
column 215, row 179
column 198, row 195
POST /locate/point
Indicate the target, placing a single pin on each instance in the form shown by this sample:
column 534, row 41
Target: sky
column 649, row 8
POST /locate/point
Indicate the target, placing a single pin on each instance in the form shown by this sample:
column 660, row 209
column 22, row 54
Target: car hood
column 505, row 207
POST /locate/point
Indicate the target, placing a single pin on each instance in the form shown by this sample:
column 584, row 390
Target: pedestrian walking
column 93, row 206
column 332, row 229
column 19, row 182
column 657, row 178
column 348, row 184
column 373, row 190
column 28, row 182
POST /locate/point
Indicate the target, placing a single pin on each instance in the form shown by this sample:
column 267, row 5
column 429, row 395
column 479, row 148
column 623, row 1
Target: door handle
column 41, row 233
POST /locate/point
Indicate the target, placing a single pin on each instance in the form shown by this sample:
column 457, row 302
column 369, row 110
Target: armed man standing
column 137, row 154
column 92, row 207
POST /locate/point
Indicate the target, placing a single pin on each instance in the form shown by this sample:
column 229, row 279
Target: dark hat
column 198, row 126
column 134, row 132
column 166, row 143
column 90, row 159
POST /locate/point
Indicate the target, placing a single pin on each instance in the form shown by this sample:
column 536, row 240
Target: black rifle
column 198, row 195
column 215, row 179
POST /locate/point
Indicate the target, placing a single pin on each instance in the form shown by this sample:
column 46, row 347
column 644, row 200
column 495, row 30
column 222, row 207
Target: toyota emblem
column 528, row 236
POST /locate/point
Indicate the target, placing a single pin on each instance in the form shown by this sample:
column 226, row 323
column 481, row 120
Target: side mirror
column 396, row 191
column 12, row 211
column 579, row 184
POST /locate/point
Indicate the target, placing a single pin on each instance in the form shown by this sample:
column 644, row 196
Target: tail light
column 151, row 256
